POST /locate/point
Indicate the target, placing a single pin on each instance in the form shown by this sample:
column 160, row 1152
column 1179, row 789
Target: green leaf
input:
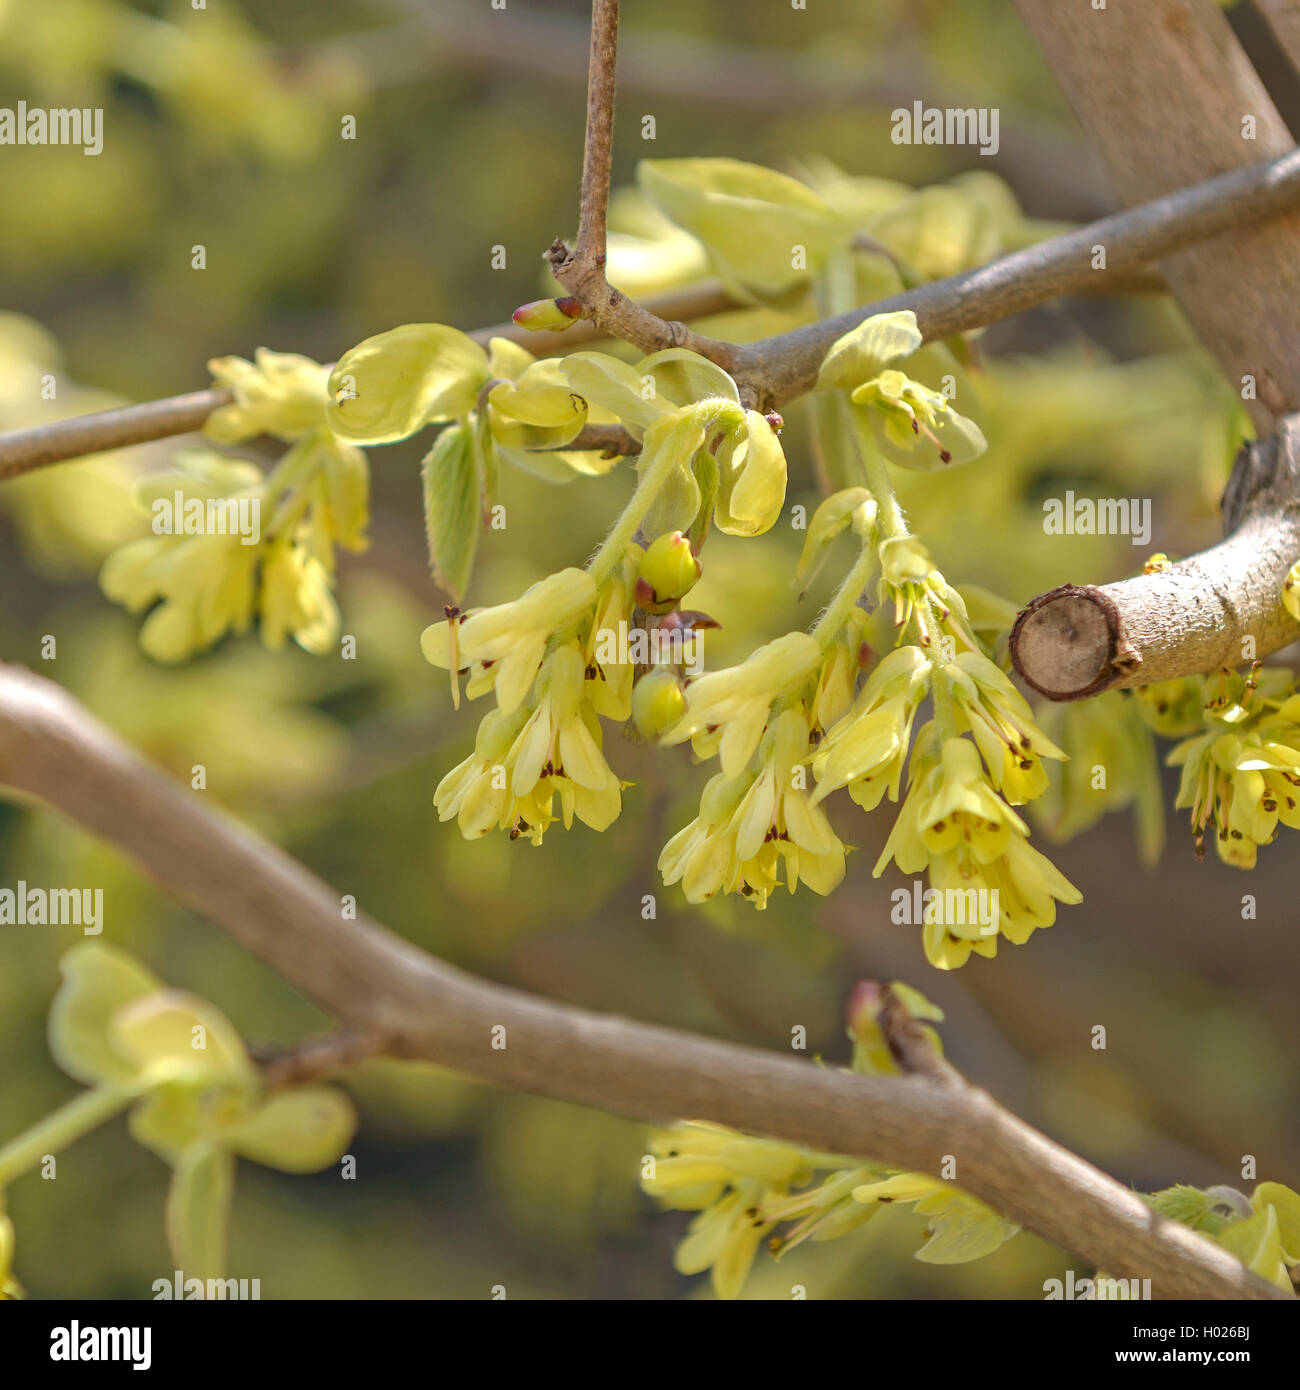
column 299, row 1131
column 392, row 385
column 345, row 474
column 539, row 411
column 961, row 1228
column 677, row 502
column 751, row 220
column 605, row 382
column 1287, row 1205
column 450, row 475
column 198, row 1210
column 863, row 351
column 1257, row 1243
column 828, row 521
column 169, row 1120
column 683, row 377
column 175, row 1036
column 98, row 980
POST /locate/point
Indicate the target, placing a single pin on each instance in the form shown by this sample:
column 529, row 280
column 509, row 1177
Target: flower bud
column 657, row 703
column 667, row 573
column 554, row 315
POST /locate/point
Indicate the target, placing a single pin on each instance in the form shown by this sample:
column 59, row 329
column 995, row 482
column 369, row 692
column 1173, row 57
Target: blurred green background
column 222, row 128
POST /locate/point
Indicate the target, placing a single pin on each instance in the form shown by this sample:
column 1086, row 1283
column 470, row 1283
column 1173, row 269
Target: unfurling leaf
column 451, row 477
column 198, row 1210
column 830, row 518
column 749, row 218
column 863, row 351
column 98, row 980
column 392, row 385
column 299, row 1131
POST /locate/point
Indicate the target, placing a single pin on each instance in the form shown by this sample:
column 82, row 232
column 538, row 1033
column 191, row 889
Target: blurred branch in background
column 736, row 75
column 390, row 994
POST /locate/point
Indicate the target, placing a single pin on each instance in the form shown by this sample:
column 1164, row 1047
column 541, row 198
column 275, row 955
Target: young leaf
column 299, row 1131
column 174, row 1036
column 450, row 476
column 198, row 1210
column 830, row 518
column 392, row 385
column 863, row 351
column 750, row 219
column 98, row 980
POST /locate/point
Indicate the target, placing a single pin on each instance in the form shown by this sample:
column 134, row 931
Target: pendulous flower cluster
column 233, row 546
column 749, row 1192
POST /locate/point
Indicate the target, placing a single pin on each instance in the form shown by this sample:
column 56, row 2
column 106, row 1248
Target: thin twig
column 23, row 451
column 581, row 270
column 317, row 1057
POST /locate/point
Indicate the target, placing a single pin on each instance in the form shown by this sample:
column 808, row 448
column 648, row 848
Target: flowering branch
column 381, row 987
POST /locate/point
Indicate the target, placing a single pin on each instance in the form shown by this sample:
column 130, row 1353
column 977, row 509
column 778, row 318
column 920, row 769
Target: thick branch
column 1167, row 95
column 1283, row 18
column 787, row 365
column 378, row 984
column 1212, row 610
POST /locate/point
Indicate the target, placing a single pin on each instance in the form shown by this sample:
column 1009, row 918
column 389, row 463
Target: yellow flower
column 284, row 394
column 751, row 826
column 833, row 697
column 206, row 584
column 1010, row 741
column 10, row 1288
column 525, row 756
column 976, row 849
column 296, row 599
column 866, row 750
column 610, row 670
column 727, row 711
column 505, row 644
column 1245, row 783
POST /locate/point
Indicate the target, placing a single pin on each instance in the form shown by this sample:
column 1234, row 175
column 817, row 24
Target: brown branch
column 378, row 984
column 1213, row 610
column 1283, row 18
column 780, row 368
column 317, row 1057
column 1163, row 89
column 786, row 366
column 23, row 451
column 581, row 270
